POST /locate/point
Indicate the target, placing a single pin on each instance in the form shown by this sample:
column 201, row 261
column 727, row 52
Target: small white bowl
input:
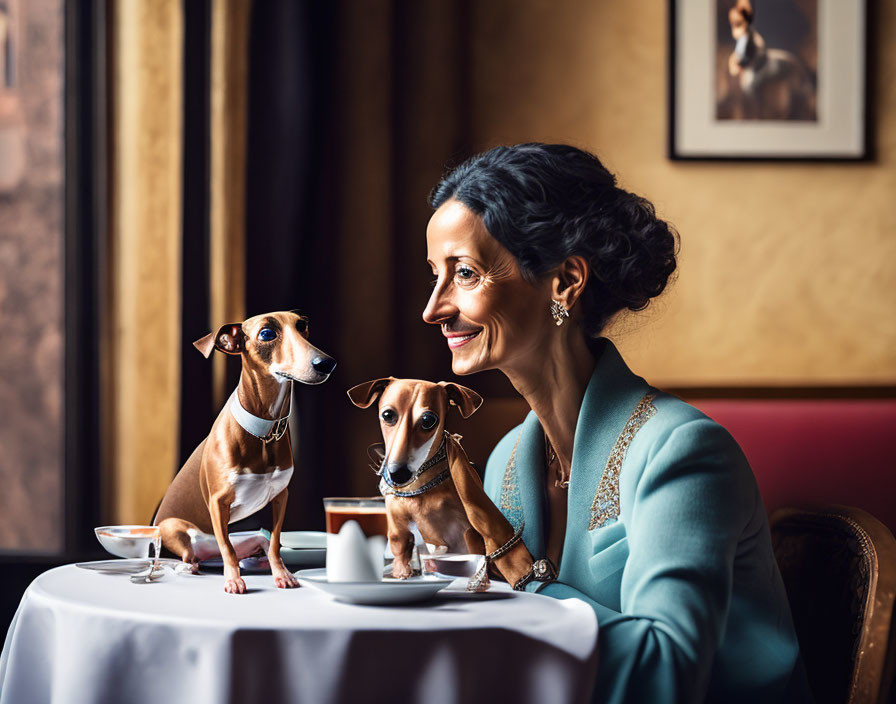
column 128, row 541
column 451, row 564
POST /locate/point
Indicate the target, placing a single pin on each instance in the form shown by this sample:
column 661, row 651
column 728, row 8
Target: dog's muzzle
column 399, row 475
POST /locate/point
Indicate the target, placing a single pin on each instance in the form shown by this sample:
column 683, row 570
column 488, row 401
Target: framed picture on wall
column 768, row 79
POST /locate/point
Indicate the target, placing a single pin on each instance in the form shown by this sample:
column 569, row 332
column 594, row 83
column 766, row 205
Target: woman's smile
column 456, row 340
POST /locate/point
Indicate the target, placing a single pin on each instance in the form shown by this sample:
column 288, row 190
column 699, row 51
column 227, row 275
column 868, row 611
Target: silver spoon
column 147, row 577
column 155, row 573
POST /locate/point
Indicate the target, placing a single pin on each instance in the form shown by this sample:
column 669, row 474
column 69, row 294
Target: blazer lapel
column 612, row 395
column 529, row 473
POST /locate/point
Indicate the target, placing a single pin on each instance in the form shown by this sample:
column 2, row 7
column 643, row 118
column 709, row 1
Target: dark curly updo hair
column 547, row 202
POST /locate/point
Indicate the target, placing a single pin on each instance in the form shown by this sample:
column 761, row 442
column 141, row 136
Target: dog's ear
column 363, row 395
column 466, row 400
column 228, row 339
column 745, row 8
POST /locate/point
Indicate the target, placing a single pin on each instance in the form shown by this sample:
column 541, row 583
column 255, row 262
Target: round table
column 81, row 636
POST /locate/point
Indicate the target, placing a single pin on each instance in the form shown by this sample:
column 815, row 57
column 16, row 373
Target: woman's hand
column 484, row 516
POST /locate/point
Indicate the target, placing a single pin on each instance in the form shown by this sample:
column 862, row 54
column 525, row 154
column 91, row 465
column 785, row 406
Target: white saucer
column 389, row 591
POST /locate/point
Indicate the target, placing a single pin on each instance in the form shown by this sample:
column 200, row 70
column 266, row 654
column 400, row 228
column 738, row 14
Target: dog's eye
column 302, row 326
column 267, row 335
column 389, row 416
column 428, row 420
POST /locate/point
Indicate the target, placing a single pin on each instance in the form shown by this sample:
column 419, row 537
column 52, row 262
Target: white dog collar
column 265, row 430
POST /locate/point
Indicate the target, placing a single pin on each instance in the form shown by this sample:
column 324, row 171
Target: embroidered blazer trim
column 605, row 507
column 511, row 503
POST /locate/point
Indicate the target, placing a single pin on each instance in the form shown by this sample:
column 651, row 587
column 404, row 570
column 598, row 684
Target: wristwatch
column 542, row 570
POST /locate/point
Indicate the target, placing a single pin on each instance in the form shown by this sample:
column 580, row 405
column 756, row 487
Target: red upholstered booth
column 814, row 451
column 827, row 451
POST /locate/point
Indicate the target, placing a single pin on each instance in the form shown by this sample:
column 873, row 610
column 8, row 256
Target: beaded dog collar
column 431, row 484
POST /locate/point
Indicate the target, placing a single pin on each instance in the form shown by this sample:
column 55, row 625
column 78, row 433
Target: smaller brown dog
column 416, row 477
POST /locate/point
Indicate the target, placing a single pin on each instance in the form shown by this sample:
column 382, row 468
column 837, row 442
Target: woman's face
column 490, row 316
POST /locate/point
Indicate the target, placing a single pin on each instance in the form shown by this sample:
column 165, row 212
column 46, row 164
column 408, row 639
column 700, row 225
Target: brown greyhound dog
column 774, row 83
column 416, row 477
column 246, row 461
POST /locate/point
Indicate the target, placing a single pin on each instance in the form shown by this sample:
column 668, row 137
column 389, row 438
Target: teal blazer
column 667, row 540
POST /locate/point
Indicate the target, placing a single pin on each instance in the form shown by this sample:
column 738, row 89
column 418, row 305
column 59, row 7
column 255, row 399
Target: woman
column 623, row 496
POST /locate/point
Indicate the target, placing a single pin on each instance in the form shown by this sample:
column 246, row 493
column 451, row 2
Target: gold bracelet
column 479, row 576
column 505, row 548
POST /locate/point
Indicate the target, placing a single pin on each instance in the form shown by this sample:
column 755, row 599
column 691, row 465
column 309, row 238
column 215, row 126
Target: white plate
column 303, row 539
column 127, row 566
column 389, row 591
column 307, row 557
column 312, row 553
column 303, row 557
column 256, row 564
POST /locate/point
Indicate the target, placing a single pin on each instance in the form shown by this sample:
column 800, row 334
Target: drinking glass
column 131, row 541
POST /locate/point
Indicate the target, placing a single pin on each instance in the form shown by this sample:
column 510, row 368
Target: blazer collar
column 610, row 397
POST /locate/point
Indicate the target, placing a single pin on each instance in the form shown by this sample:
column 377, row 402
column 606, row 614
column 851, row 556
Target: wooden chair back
column 839, row 569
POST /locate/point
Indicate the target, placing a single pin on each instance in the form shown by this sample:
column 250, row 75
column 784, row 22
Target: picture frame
column 768, row 80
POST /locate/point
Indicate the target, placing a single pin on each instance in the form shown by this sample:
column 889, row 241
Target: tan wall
column 787, row 271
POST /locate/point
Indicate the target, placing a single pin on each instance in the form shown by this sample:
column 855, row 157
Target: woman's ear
column 570, row 280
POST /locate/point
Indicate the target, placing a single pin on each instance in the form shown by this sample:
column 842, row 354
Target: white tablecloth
column 85, row 637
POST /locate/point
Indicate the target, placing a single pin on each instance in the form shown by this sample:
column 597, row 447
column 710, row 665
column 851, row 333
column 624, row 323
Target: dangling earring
column 559, row 312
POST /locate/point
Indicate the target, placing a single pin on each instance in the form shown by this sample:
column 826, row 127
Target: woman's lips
column 455, row 341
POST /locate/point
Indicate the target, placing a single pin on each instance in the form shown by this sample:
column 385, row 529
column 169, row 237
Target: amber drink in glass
column 369, row 512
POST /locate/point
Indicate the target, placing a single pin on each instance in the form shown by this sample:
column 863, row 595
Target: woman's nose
column 439, row 308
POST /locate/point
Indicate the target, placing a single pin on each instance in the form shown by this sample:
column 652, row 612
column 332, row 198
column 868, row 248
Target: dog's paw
column 402, row 571
column 284, row 579
column 235, row 585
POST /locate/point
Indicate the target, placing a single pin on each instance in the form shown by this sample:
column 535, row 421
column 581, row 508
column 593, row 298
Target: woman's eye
column 389, row 416
column 465, row 275
column 267, row 335
column 428, row 420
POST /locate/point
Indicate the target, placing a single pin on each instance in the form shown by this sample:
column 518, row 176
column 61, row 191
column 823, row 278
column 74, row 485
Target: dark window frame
column 84, row 238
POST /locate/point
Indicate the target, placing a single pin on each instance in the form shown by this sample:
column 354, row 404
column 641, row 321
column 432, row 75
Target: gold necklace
column 550, row 458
